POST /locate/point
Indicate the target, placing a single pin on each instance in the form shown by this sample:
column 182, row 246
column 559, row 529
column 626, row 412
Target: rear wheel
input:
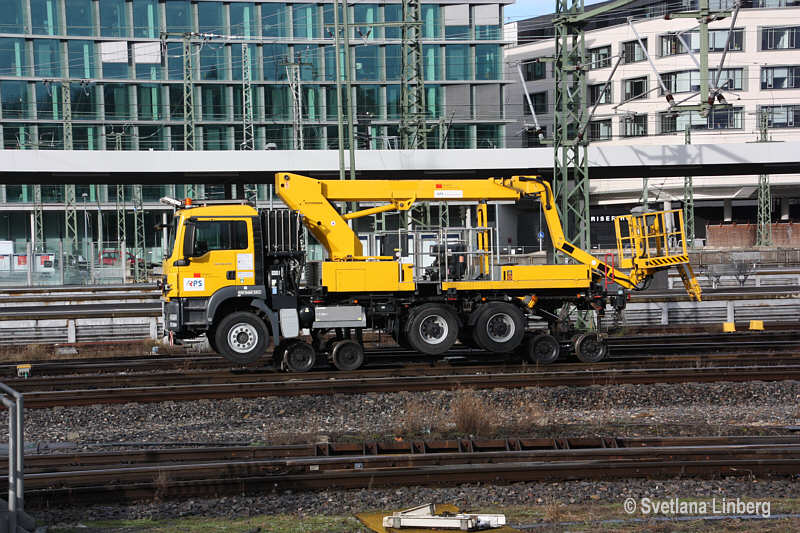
column 432, row 329
column 298, row 356
column 347, row 355
column 499, row 327
column 542, row 349
column 241, row 337
column 590, row 348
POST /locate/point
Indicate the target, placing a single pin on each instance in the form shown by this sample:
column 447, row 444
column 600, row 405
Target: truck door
column 222, row 257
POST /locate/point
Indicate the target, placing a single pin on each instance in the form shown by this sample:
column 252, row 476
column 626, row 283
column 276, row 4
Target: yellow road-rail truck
column 240, row 275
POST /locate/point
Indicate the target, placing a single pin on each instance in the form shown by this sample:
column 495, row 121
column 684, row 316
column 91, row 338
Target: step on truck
column 240, row 276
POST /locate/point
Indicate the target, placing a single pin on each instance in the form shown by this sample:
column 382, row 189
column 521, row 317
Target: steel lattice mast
column 413, row 129
column 764, row 229
column 571, row 172
column 688, row 198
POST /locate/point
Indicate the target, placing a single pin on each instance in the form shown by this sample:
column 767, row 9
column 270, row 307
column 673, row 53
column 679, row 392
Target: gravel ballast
column 617, row 410
column 346, row 502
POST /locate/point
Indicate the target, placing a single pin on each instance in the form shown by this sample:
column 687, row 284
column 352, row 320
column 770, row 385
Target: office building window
column 79, row 17
column 306, row 25
column 145, row 19
column 487, row 22
column 456, row 22
column 13, row 59
column 215, row 103
column 780, row 38
column 84, row 101
column 633, row 51
column 47, row 57
column 487, row 62
column 635, row 88
column 209, row 17
column 599, row 57
column 718, row 119
column 393, row 13
column 431, row 21
column 367, row 63
column 366, row 14
column 599, row 94
column 782, row 116
column 780, row 77
column 634, row 126
column 178, row 14
column 148, row 101
column 730, row 79
column 275, row 56
column 117, row 101
column 534, row 70
column 45, row 17
column 243, row 19
column 487, row 136
column 457, row 62
column 12, row 20
column 539, row 101
column 274, row 20
column 14, row 98
column 600, row 130
column 432, row 61
column 671, row 44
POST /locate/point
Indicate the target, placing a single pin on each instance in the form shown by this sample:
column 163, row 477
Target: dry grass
column 553, row 510
column 419, row 418
column 529, row 413
column 471, row 414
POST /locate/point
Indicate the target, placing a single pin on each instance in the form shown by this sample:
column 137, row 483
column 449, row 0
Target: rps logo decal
column 194, row 284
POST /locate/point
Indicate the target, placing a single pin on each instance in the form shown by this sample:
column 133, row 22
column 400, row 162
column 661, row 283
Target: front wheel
column 591, row 348
column 241, row 337
column 542, row 349
column 347, row 355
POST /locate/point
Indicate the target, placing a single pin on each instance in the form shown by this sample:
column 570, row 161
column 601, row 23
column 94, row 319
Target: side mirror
column 188, row 240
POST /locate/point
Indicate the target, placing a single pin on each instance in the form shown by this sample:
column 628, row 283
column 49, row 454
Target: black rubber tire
column 590, row 348
column 507, row 323
column 298, row 356
column 253, row 334
column 542, row 349
column 429, row 322
column 347, row 355
column 211, row 337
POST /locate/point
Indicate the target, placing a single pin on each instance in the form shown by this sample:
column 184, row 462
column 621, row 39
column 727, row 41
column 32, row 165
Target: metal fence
column 94, row 263
column 15, row 519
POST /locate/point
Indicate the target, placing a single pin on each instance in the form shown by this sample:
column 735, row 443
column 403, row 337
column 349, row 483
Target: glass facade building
column 125, row 78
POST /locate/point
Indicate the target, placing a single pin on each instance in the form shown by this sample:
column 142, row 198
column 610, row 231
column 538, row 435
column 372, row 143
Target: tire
column 211, row 337
column 298, row 356
column 432, row 329
column 499, row 327
column 590, row 348
column 347, row 355
column 542, row 349
column 241, row 337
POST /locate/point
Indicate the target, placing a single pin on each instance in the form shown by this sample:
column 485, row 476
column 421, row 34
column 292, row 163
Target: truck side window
column 220, row 235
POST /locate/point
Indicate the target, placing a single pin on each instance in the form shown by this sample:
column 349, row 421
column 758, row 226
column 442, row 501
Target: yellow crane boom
column 645, row 242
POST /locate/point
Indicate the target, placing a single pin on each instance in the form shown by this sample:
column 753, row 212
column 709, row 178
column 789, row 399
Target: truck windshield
column 173, row 230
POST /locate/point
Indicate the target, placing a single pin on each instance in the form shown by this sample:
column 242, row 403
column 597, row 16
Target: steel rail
column 214, row 478
column 312, row 384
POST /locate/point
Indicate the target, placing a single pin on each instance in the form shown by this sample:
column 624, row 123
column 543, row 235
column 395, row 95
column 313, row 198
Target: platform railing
column 14, row 519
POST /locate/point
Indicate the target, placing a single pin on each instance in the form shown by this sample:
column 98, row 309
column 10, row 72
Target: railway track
column 622, row 349
column 249, row 386
column 67, row 479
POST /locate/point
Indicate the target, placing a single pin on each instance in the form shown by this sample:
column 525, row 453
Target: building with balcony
column 760, row 78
